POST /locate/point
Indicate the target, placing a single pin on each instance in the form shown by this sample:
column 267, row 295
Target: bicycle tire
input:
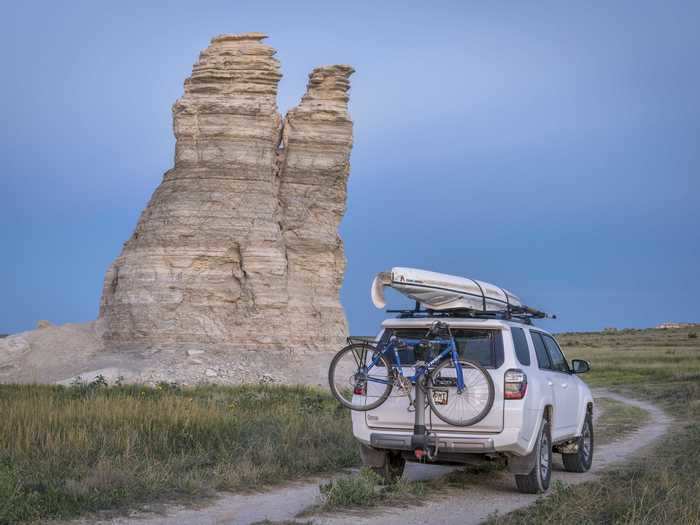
column 440, row 410
column 335, row 388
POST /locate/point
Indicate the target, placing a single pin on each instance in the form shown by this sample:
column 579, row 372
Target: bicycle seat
column 438, row 329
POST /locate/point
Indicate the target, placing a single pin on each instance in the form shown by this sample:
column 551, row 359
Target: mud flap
column 371, row 457
column 523, row 465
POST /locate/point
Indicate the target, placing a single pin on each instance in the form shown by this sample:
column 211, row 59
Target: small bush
column 360, row 490
column 692, row 335
column 366, row 490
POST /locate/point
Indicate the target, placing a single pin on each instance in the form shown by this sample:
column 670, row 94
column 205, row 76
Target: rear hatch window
column 480, row 346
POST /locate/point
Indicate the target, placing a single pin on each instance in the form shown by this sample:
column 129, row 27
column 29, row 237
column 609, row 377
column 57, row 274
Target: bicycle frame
column 422, row 369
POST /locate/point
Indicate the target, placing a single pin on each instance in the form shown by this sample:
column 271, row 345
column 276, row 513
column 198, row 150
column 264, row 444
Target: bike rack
column 421, row 441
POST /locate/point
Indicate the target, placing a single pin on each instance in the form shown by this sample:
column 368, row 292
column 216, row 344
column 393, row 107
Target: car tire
column 537, row 481
column 581, row 460
column 392, row 469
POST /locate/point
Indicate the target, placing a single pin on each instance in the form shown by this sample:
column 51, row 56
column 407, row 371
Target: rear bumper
column 467, row 445
column 508, row 441
column 517, row 437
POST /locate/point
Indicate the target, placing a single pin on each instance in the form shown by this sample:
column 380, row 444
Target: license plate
column 440, row 397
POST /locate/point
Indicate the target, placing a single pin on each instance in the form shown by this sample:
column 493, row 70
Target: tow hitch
column 421, row 441
column 420, row 454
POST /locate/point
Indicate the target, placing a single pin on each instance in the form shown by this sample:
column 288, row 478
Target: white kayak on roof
column 439, row 291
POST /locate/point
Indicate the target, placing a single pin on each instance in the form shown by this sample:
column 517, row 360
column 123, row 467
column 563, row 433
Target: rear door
column 482, row 346
column 565, row 389
column 565, row 395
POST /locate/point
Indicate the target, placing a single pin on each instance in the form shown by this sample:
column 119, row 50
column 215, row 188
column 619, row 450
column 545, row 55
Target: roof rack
column 523, row 314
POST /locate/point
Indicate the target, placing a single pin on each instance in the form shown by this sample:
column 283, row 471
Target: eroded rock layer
column 238, row 246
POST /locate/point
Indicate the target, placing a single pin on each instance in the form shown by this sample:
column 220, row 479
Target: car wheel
column 392, row 469
column 537, row 481
column 581, row 460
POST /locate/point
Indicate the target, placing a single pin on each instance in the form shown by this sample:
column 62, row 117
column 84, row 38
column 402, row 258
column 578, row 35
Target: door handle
column 565, row 385
column 549, row 383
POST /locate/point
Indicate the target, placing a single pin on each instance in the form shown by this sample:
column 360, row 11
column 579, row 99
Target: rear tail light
column 515, row 384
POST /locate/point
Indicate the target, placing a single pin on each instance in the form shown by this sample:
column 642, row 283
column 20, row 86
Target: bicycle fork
column 458, row 371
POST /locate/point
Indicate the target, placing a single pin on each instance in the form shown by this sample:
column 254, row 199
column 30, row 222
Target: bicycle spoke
column 470, row 404
column 353, row 384
column 355, row 356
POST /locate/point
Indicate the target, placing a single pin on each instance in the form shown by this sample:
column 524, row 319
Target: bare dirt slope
column 60, row 354
column 495, row 493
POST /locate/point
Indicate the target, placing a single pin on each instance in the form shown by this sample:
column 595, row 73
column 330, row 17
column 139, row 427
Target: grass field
column 68, row 450
column 64, row 451
column 662, row 486
column 630, row 357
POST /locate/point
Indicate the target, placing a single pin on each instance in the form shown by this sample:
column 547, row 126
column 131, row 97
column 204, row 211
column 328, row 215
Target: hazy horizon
column 551, row 149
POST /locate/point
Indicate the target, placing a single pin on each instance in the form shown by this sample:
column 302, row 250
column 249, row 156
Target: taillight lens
column 515, row 382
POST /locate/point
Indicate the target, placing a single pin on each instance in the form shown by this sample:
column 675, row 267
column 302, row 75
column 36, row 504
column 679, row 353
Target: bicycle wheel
column 464, row 408
column 353, row 384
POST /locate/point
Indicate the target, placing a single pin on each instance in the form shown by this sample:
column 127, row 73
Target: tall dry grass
column 68, row 450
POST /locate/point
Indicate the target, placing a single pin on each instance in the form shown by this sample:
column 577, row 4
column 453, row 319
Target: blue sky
column 547, row 147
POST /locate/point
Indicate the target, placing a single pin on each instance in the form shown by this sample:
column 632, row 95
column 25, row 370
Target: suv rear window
column 482, row 346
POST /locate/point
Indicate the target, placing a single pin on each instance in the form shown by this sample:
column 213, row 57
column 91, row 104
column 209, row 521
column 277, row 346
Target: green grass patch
column 617, row 420
column 68, row 450
column 636, row 357
column 364, row 490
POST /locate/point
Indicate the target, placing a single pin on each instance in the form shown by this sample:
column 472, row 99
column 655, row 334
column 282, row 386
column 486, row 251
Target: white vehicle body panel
column 512, row 426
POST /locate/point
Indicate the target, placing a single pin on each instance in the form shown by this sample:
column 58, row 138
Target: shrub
column 360, row 490
column 366, row 489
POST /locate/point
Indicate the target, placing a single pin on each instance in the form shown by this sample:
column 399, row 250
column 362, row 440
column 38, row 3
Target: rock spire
column 238, row 246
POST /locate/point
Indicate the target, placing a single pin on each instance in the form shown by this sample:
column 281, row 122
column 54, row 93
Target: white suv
column 540, row 405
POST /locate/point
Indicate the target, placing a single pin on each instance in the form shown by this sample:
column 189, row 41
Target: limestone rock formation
column 238, row 246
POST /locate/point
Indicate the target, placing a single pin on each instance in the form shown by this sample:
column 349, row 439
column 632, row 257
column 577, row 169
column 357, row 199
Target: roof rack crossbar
column 522, row 313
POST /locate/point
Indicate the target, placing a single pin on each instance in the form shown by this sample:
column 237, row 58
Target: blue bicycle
column 459, row 392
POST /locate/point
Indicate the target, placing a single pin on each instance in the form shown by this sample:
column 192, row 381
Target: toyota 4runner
column 540, row 406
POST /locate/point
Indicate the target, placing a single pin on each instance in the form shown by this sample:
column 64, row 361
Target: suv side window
column 522, row 351
column 540, row 351
column 555, row 355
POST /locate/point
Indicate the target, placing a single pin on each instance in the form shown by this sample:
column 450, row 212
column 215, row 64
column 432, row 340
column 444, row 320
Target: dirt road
column 496, row 492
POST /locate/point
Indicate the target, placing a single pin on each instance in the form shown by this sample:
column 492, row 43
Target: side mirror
column 579, row 366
